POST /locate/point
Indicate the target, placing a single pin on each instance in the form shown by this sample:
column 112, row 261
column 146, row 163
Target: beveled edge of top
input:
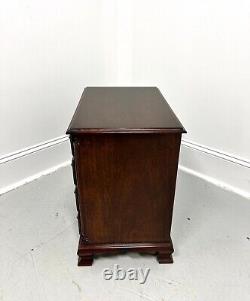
column 82, row 131
column 124, row 131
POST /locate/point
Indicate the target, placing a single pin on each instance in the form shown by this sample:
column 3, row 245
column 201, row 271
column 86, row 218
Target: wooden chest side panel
column 126, row 186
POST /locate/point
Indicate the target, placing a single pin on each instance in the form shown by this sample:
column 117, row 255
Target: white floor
column 39, row 237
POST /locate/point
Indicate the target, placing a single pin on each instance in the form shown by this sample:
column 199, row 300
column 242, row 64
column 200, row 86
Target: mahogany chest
column 125, row 144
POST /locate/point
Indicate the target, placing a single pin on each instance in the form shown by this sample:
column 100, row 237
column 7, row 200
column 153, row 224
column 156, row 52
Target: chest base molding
column 87, row 252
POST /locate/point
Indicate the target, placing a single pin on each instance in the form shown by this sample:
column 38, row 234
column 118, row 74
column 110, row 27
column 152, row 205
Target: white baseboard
column 223, row 170
column 33, row 177
column 32, row 149
column 26, row 165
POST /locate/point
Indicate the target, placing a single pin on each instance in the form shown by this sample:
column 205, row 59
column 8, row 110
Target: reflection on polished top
column 123, row 109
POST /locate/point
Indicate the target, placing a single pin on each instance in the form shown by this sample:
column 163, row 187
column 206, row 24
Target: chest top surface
column 123, row 110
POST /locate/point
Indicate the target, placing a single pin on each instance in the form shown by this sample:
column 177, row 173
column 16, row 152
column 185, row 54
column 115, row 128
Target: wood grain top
column 123, row 110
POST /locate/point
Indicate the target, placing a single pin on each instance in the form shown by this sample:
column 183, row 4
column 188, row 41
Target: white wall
column 196, row 52
column 50, row 50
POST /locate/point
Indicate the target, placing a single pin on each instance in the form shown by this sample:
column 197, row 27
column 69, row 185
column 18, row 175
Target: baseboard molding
column 223, row 170
column 34, row 177
column 28, row 164
column 216, row 153
column 216, row 182
column 32, row 149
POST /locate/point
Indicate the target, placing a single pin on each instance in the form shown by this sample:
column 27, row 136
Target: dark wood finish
column 125, row 176
column 123, row 110
column 163, row 250
column 85, row 259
